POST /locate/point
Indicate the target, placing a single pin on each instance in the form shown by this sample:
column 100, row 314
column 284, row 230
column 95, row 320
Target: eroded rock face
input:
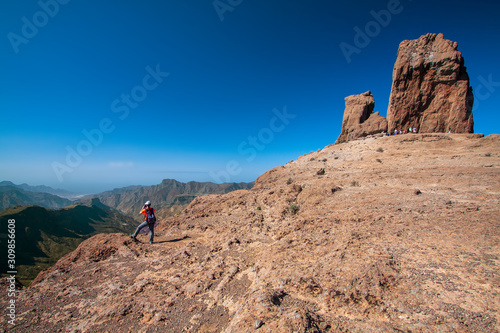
column 359, row 118
column 430, row 87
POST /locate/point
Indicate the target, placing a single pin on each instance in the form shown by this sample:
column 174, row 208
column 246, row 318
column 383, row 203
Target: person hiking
column 149, row 221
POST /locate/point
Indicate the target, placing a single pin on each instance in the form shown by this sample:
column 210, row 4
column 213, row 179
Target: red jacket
column 144, row 211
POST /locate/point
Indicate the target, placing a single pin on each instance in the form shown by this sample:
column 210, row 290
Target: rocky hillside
column 169, row 197
column 395, row 233
column 43, row 235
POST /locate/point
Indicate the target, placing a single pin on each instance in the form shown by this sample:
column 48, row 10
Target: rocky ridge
column 394, row 233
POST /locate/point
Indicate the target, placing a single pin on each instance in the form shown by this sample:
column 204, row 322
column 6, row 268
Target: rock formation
column 359, row 118
column 430, row 91
column 430, row 88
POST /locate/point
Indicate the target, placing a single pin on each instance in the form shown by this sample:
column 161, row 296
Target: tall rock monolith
column 430, row 88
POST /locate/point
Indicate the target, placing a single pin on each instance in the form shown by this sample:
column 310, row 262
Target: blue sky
column 96, row 95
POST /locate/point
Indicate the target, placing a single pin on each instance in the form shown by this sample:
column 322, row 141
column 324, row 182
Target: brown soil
column 394, row 234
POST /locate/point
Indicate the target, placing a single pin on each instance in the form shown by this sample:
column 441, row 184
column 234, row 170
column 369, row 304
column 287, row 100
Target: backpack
column 151, row 218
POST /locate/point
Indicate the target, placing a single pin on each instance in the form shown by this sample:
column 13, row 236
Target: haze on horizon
column 96, row 95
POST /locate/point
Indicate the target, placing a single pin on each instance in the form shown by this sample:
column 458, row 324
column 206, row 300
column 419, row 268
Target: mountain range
column 42, row 189
column 15, row 196
column 169, row 197
column 44, row 235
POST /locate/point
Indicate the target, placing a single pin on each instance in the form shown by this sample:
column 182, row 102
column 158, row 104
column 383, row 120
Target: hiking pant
column 151, row 228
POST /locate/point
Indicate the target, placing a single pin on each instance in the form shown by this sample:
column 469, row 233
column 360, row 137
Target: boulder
column 430, row 88
column 359, row 119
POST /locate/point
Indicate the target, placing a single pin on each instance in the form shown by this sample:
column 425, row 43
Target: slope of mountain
column 168, row 198
column 43, row 189
column 394, row 234
column 43, row 236
column 13, row 196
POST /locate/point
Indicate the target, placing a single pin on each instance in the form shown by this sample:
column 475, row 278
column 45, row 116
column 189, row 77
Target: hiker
column 149, row 221
column 410, row 130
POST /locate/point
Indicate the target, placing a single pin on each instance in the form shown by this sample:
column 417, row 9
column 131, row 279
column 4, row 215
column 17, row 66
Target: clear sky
column 102, row 94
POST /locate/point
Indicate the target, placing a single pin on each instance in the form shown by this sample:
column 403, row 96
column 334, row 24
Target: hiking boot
column 133, row 237
column 150, row 242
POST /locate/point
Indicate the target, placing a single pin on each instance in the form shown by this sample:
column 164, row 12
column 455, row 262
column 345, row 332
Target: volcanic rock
column 359, row 118
column 430, row 88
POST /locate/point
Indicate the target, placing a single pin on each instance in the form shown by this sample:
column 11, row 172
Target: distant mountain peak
column 42, row 189
column 169, row 197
